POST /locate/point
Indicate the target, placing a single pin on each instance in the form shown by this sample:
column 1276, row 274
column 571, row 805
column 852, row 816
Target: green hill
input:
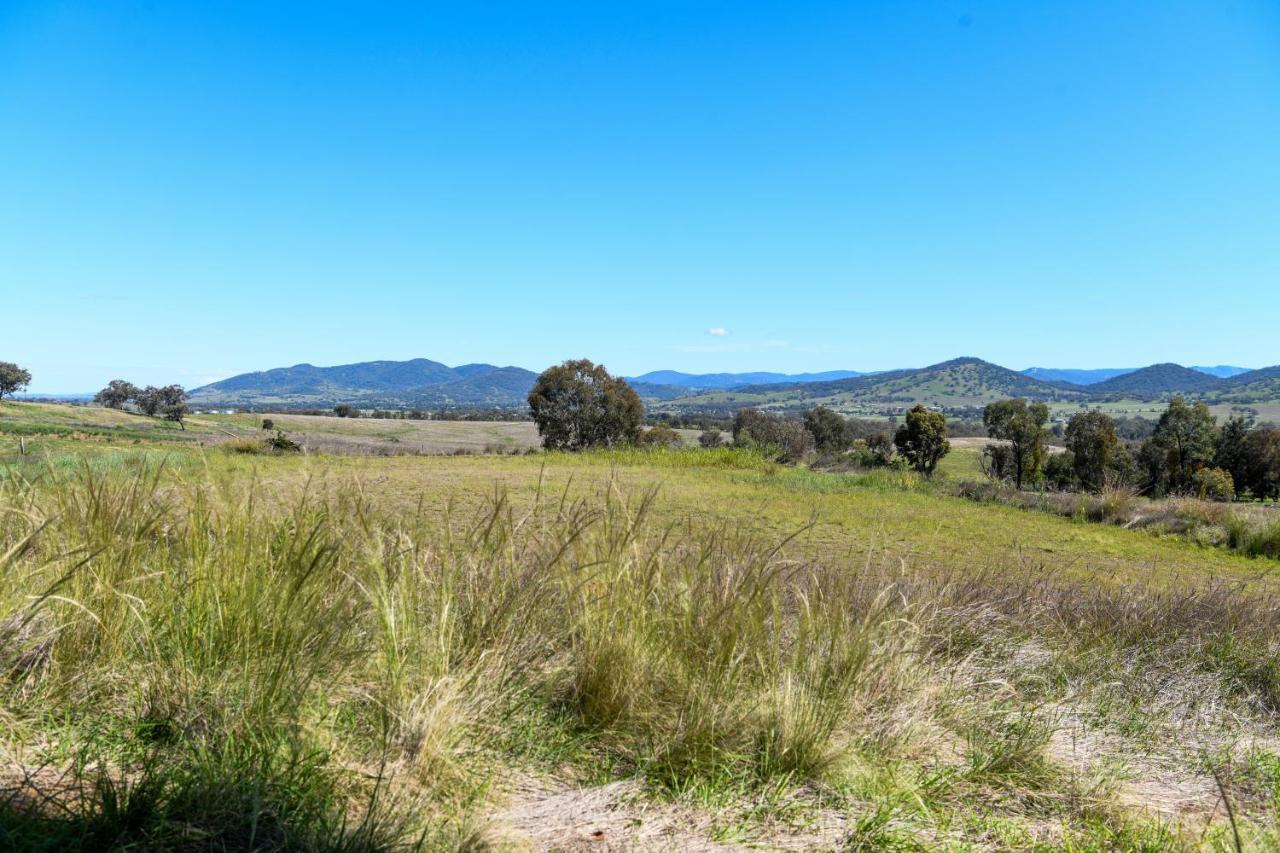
column 961, row 382
column 1158, row 380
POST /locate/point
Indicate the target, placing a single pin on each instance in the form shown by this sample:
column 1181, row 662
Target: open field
column 52, row 426
column 628, row 650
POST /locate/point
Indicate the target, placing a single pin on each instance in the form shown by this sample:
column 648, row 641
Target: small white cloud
column 717, row 331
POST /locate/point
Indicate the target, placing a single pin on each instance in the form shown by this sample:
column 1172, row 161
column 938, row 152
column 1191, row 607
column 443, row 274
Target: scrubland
column 661, row 649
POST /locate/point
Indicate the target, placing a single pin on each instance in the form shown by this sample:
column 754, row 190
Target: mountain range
column 961, row 382
column 1090, row 377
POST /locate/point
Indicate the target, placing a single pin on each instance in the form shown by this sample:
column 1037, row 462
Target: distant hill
column 419, row 382
column 1092, row 377
column 1076, row 377
column 735, row 380
column 1158, row 380
column 1253, row 386
column 961, row 382
column 1222, row 371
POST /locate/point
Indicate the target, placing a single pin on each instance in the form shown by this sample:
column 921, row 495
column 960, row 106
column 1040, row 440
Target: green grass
column 218, row 650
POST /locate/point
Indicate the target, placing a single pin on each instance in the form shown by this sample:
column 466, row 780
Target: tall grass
column 193, row 660
column 301, row 657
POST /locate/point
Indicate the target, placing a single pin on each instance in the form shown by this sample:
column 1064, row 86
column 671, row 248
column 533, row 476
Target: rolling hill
column 961, row 382
column 1156, row 381
column 418, row 382
column 1094, row 376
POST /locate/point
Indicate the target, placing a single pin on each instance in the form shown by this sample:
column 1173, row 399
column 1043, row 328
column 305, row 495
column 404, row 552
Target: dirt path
column 547, row 815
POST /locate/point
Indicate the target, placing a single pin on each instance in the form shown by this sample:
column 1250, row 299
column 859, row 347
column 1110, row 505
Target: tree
column 13, row 378
column 168, row 402
column 711, row 438
column 830, row 431
column 1262, row 473
column 1092, row 441
column 267, row 423
column 116, row 394
column 1183, row 442
column 923, row 439
column 578, row 405
column 1022, row 426
column 1232, row 452
column 345, row 410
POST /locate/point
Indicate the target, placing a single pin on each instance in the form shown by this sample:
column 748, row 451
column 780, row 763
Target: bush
column 785, row 440
column 711, row 438
column 267, row 423
column 659, row 435
column 282, row 443
column 1213, row 484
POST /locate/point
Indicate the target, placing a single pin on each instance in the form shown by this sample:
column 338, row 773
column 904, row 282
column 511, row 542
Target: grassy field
column 665, row 650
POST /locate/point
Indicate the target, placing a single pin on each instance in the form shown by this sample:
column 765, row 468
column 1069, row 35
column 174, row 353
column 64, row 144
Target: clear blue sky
column 191, row 190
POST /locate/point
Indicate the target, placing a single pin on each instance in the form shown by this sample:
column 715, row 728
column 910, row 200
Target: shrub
column 282, row 443
column 785, row 440
column 267, row 423
column 711, row 438
column 1213, row 484
column 659, row 435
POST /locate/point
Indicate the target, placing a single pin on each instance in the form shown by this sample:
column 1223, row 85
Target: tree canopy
column 1022, row 426
column 922, row 439
column 578, row 405
column 13, row 378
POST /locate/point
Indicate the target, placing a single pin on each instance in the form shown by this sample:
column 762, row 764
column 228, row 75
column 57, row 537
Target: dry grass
column 350, row 653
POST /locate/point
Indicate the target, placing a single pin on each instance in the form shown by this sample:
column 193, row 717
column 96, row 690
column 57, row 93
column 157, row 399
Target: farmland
column 667, row 649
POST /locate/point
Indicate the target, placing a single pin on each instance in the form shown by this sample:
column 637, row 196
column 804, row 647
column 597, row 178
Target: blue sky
column 191, row 190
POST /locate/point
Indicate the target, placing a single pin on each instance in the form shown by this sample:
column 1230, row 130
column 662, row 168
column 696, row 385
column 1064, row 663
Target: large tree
column 13, row 378
column 1262, row 471
column 1091, row 438
column 1022, row 426
column 1184, row 442
column 923, row 439
column 116, row 394
column 578, row 404
column 1232, row 453
column 168, row 402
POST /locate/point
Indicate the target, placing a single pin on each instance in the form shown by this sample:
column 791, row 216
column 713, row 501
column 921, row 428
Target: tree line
column 1187, row 453
column 166, row 401
column 578, row 405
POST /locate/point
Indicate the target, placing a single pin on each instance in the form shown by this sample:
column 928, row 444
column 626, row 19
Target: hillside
column 961, row 382
column 419, row 382
column 1156, row 381
column 1253, row 386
